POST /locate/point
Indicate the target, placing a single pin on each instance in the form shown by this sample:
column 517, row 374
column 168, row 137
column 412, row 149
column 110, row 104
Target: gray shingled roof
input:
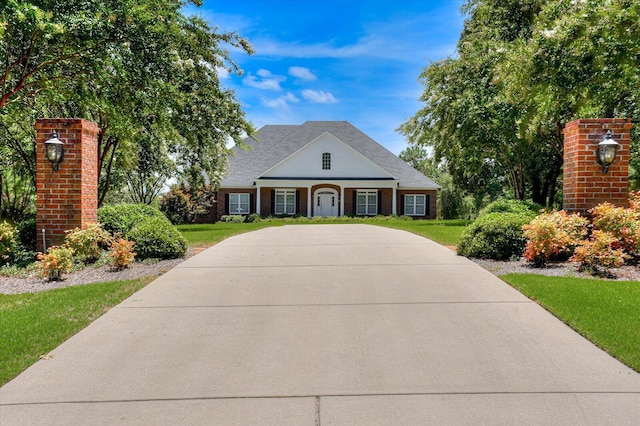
column 277, row 142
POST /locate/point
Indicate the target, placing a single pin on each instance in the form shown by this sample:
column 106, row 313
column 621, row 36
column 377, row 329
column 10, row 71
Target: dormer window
column 326, row 161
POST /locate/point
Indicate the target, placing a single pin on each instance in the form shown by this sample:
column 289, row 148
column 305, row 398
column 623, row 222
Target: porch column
column 309, row 202
column 394, row 202
column 341, row 200
column 257, row 198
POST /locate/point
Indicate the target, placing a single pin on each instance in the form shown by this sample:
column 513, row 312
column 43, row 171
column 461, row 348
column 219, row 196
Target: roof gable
column 277, row 143
column 345, row 162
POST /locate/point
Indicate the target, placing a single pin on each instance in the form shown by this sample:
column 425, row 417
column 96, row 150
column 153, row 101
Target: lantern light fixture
column 606, row 153
column 54, row 150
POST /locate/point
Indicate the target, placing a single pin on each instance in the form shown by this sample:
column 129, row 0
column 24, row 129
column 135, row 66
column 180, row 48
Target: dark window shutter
column 297, row 201
column 251, row 208
column 379, row 202
column 427, row 205
column 355, row 202
column 273, row 202
column 401, row 204
column 226, row 203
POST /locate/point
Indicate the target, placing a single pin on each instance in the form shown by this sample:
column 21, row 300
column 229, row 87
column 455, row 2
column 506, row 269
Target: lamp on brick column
column 54, row 150
column 606, row 153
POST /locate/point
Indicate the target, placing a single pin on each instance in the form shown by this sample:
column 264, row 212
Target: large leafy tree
column 127, row 65
column 524, row 68
column 467, row 119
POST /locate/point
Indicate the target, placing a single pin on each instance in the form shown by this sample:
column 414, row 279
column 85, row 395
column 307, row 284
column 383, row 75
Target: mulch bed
column 90, row 275
column 558, row 269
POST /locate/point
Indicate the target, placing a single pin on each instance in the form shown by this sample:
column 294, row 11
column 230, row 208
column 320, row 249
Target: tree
column 524, row 68
column 136, row 68
column 453, row 202
column 154, row 169
column 466, row 118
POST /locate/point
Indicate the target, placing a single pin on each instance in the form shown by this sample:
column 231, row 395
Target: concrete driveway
column 326, row 324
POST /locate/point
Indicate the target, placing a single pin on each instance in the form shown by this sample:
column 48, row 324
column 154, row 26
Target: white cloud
column 319, row 97
column 264, row 80
column 399, row 37
column 223, row 73
column 282, row 102
column 302, row 73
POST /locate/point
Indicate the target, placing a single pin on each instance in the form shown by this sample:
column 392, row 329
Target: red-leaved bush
column 623, row 224
column 599, row 252
column 552, row 236
column 121, row 253
column 614, row 238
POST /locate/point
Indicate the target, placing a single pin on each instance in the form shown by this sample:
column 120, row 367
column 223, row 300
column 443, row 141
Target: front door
column 327, row 204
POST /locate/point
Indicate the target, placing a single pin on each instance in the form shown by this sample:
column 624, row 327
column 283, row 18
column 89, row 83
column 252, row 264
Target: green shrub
column 121, row 218
column 14, row 250
column 9, row 241
column 511, row 206
column 157, row 238
column 87, row 244
column 176, row 205
column 183, row 204
column 27, row 232
column 495, row 236
column 232, row 218
column 253, row 218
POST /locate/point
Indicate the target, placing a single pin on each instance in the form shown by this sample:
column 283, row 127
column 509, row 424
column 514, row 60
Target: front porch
column 342, row 195
column 357, row 197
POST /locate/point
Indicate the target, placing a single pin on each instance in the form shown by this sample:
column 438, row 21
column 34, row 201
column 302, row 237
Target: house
column 322, row 168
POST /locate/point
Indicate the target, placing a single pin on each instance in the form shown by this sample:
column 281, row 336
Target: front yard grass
column 605, row 312
column 33, row 324
column 445, row 232
column 212, row 233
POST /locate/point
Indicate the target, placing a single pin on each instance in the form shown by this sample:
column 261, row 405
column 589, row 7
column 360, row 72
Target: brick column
column 66, row 198
column 584, row 184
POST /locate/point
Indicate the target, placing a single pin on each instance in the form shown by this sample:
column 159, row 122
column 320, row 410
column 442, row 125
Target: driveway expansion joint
column 295, row 305
column 317, row 397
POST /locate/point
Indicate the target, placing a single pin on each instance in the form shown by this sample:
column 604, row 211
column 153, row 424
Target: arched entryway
column 325, row 202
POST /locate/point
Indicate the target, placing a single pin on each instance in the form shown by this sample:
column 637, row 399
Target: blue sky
column 353, row 60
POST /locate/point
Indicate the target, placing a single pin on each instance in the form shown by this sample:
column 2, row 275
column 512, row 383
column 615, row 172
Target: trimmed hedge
column 496, row 235
column 121, row 218
column 157, row 238
column 511, row 206
column 154, row 236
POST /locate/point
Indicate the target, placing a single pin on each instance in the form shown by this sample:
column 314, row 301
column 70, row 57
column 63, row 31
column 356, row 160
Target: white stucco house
column 322, row 168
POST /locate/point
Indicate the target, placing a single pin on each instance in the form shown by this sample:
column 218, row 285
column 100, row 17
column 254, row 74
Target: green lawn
column 33, row 324
column 212, row 233
column 605, row 312
column 446, row 232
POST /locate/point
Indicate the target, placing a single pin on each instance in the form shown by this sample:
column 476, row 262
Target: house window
column 367, row 203
column 326, row 161
column 415, row 204
column 238, row 203
column 285, row 202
